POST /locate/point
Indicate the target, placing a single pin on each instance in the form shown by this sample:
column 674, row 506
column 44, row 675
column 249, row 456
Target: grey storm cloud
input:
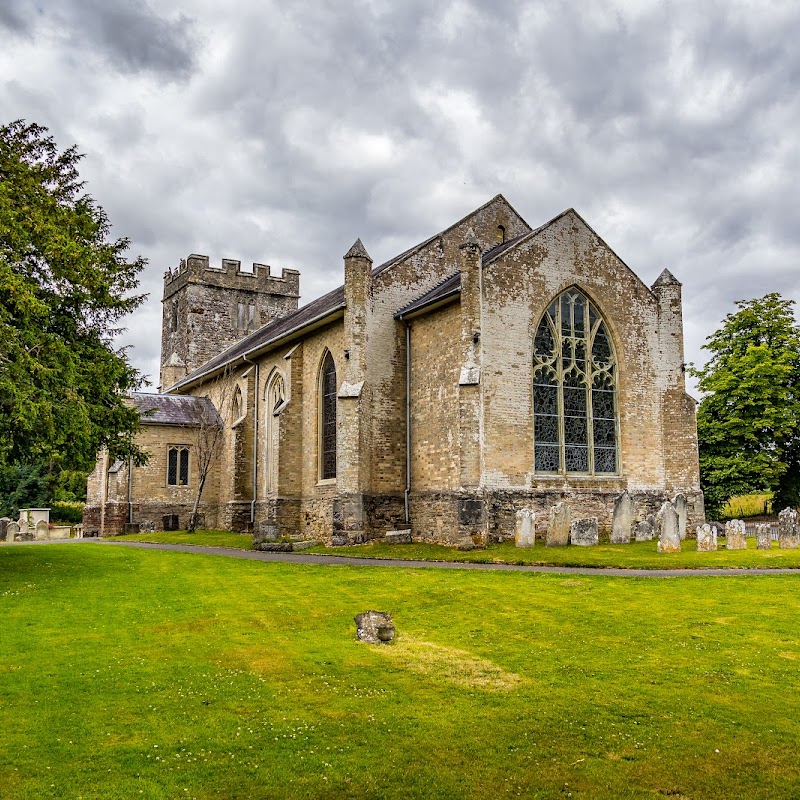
column 279, row 132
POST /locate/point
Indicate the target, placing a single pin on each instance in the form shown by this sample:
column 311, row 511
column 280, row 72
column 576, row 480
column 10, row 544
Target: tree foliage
column 64, row 286
column 748, row 422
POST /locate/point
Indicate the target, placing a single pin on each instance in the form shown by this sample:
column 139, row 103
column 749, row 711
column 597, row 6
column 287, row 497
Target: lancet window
column 574, row 390
column 327, row 419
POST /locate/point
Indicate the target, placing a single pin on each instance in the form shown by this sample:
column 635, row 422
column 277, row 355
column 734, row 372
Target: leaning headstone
column 3, row 525
column 558, row 530
column 669, row 535
column 679, row 501
column 645, row 530
column 583, row 532
column 374, row 627
column 622, row 520
column 788, row 538
column 763, row 536
column 41, row 530
column 12, row 531
column 735, row 535
column 525, row 529
column 706, row 538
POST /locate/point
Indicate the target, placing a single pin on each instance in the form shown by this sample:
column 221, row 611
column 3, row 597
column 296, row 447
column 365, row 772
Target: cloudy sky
column 280, row 131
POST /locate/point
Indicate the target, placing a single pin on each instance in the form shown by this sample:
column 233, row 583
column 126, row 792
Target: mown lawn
column 127, row 673
column 636, row 555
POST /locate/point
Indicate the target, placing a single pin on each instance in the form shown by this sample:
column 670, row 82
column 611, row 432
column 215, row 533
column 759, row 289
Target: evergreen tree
column 64, row 286
column 748, row 422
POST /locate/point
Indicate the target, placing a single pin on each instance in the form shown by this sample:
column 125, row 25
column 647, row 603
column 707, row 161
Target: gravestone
column 24, row 525
column 558, row 530
column 12, row 531
column 622, row 520
column 667, row 524
column 171, row 522
column 706, row 538
column 788, row 538
column 645, row 530
column 3, row 525
column 735, row 535
column 583, row 532
column 763, row 536
column 41, row 530
column 374, row 627
column 679, row 501
column 525, row 528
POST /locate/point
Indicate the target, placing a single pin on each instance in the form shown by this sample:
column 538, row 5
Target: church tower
column 207, row 309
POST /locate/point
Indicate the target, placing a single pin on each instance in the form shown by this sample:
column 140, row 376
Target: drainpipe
column 408, row 420
column 130, row 490
column 255, row 442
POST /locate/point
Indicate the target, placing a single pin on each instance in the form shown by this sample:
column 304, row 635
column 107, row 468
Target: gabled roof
column 175, row 409
column 318, row 312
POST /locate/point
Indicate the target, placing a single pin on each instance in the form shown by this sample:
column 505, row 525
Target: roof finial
column 666, row 278
column 358, row 251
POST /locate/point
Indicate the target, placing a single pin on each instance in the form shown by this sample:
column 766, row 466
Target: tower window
column 501, row 234
column 245, row 317
column 173, row 322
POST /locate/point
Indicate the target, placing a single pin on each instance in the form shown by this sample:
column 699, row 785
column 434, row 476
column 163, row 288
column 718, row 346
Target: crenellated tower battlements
column 207, row 309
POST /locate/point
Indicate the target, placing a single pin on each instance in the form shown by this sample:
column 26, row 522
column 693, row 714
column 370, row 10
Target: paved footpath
column 310, row 558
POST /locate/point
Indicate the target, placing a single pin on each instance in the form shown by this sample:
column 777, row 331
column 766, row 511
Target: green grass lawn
column 127, row 673
column 209, row 538
column 637, row 555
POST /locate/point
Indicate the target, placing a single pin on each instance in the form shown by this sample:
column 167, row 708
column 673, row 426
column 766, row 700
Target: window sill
column 326, row 482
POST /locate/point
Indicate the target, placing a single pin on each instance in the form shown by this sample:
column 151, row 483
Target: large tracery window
column 574, row 390
column 327, row 419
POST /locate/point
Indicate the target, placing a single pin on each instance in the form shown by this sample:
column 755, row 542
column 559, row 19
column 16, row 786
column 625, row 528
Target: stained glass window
column 574, row 390
column 328, row 419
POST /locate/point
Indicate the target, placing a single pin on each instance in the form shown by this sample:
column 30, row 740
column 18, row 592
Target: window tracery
column 574, row 390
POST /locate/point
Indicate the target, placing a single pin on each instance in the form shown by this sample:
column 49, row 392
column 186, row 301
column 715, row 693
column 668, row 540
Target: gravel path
column 309, row 558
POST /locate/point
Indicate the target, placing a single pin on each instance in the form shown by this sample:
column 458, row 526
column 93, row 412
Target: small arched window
column 574, row 390
column 275, row 401
column 327, row 419
column 501, row 234
column 236, row 405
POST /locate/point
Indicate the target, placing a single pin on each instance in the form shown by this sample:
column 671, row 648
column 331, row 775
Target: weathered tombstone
column 679, row 501
column 735, row 535
column 558, row 530
column 525, row 529
column 41, row 530
column 171, row 522
column 763, row 536
column 12, row 531
column 374, row 627
column 24, row 524
column 669, row 535
column 583, row 532
column 3, row 524
column 788, row 538
column 706, row 538
column 645, row 530
column 622, row 520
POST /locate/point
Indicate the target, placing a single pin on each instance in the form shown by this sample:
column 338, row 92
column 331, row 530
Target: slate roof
column 316, row 310
column 174, row 409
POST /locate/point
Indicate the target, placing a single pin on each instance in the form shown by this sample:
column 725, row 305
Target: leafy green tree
column 748, row 422
column 64, row 286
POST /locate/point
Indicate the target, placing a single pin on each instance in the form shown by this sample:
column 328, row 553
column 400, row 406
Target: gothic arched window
column 236, row 406
column 574, row 390
column 327, row 419
column 275, row 401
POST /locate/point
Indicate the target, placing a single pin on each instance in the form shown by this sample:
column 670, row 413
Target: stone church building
column 490, row 368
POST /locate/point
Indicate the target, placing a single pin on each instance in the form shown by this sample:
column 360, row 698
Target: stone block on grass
column 398, row 537
column 304, row 544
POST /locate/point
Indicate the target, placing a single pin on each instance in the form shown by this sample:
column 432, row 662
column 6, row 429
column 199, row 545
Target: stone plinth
column 583, row 532
column 558, row 529
column 398, row 537
column 525, row 529
column 735, row 535
column 622, row 520
column 374, row 627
